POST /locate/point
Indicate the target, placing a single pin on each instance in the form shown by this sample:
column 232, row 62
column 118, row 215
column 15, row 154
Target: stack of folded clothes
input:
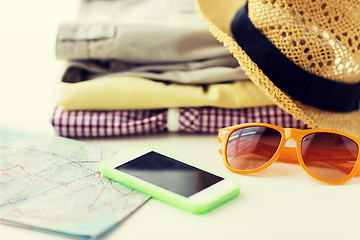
column 147, row 66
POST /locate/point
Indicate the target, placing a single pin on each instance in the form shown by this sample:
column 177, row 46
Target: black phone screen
column 169, row 173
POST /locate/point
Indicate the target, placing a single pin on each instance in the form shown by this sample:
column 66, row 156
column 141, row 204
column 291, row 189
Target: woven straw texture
column 320, row 36
column 218, row 14
column 223, row 33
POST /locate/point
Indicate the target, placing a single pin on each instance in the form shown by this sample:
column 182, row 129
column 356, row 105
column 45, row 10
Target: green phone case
column 166, row 195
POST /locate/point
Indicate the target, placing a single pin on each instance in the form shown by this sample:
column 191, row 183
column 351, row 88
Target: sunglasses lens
column 251, row 147
column 329, row 155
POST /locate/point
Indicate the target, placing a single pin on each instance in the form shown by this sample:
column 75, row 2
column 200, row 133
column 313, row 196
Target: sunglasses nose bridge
column 292, row 133
column 289, row 152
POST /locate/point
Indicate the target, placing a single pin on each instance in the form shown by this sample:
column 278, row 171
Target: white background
column 279, row 203
column 28, row 69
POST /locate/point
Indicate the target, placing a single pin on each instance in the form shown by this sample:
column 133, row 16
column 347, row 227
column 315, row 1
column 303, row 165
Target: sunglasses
column 326, row 155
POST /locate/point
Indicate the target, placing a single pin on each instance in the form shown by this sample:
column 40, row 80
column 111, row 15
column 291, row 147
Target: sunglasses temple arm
column 222, row 133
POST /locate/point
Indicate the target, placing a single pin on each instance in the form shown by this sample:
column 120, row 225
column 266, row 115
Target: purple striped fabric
column 86, row 124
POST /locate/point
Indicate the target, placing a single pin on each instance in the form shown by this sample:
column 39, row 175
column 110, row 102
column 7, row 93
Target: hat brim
column 218, row 14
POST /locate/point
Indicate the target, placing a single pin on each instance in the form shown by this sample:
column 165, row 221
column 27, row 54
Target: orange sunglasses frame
column 285, row 153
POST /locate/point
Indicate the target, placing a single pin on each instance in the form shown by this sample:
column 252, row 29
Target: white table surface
column 279, row 203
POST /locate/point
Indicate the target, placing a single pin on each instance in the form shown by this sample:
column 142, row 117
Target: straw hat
column 305, row 55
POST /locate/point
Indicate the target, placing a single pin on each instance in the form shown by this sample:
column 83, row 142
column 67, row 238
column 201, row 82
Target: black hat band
column 300, row 85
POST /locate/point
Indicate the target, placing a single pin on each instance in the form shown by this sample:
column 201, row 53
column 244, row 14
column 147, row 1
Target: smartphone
column 170, row 179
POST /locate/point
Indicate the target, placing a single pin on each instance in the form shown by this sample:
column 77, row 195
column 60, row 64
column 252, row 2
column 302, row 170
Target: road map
column 53, row 184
